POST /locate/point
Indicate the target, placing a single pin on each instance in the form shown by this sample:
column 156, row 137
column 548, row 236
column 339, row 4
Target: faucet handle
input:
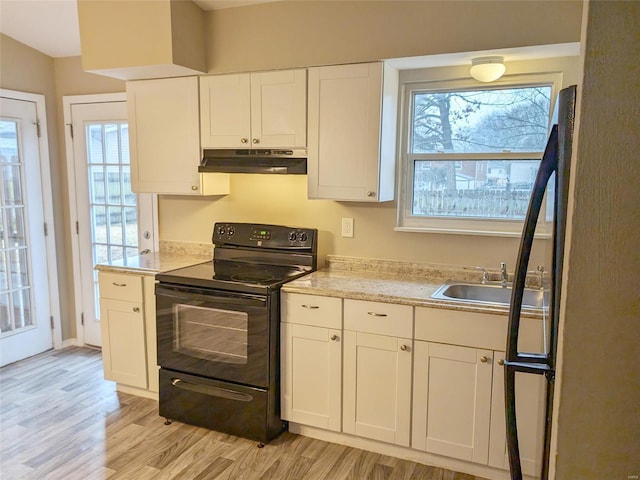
column 485, row 274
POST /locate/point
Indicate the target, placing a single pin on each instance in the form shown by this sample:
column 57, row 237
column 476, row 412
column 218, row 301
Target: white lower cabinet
column 377, row 370
column 311, row 360
column 127, row 319
column 452, row 400
column 427, row 378
column 123, row 329
column 530, row 405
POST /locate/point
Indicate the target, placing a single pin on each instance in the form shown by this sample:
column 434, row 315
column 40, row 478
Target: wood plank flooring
column 60, row 420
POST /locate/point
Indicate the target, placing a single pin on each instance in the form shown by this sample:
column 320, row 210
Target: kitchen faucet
column 503, row 274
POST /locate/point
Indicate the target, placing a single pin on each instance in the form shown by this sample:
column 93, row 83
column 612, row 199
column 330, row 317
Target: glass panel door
column 113, row 223
column 25, row 310
column 15, row 278
column 112, row 204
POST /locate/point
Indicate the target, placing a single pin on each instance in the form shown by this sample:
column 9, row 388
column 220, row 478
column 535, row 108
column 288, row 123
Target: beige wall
column 303, row 33
column 306, row 33
column 599, row 387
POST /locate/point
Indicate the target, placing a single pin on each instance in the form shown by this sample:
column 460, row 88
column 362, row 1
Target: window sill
column 468, row 231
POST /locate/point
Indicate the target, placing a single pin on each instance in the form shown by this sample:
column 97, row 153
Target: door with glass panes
column 113, row 223
column 25, row 314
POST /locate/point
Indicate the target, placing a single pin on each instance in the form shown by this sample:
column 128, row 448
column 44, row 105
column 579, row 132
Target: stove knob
column 221, row 230
column 231, row 231
column 303, row 237
column 292, row 236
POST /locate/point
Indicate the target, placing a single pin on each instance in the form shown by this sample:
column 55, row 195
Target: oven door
column 212, row 333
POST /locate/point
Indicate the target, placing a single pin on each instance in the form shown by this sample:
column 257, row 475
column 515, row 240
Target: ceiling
column 51, row 26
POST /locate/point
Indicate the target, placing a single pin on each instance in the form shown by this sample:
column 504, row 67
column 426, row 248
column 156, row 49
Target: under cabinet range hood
column 282, row 161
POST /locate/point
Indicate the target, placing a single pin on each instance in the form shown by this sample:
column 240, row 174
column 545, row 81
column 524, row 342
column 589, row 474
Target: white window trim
column 462, row 226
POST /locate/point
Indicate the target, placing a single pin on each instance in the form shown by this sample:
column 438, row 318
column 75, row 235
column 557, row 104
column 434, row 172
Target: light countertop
column 391, row 282
column 153, row 263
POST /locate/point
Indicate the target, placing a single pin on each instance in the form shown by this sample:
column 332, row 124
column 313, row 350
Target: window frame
column 406, row 221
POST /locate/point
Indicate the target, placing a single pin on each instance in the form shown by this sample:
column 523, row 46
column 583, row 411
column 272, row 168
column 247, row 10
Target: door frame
column 47, row 208
column 67, row 102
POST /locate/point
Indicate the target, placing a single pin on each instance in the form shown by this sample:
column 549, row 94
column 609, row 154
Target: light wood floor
column 60, row 420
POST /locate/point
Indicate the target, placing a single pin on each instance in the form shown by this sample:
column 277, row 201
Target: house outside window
column 470, row 153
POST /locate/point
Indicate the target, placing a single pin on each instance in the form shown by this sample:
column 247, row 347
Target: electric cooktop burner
column 251, row 258
column 232, row 276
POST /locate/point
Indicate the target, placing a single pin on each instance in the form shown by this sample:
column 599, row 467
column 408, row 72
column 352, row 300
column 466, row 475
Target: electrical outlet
column 347, row 227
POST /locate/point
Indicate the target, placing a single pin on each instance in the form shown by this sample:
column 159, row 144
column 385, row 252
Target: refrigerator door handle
column 514, row 361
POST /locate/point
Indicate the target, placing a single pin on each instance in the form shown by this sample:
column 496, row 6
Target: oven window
column 210, row 333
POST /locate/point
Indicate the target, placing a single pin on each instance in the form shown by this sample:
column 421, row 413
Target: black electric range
column 218, row 329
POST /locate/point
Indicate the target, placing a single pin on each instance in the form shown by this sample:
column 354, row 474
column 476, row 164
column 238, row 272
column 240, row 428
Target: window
column 471, row 154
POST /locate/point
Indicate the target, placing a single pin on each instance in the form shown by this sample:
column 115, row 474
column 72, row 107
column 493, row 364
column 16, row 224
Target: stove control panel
column 264, row 236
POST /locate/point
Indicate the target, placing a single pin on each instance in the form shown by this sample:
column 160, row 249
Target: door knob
column 404, row 348
column 243, row 140
column 136, row 309
column 256, row 140
column 484, row 359
column 334, row 337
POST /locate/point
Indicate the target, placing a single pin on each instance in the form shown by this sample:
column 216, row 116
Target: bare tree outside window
column 476, row 153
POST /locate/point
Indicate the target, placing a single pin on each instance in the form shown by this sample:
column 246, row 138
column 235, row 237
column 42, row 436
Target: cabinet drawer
column 473, row 329
column 119, row 286
column 379, row 318
column 312, row 310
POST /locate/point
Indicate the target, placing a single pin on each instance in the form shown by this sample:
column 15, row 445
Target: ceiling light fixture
column 487, row 69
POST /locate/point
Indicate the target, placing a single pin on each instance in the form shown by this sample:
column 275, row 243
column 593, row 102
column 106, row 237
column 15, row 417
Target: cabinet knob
column 136, row 309
column 334, row 337
column 404, row 348
column 501, row 362
column 484, row 359
column 243, row 140
column 371, row 194
column 256, row 140
column 194, row 187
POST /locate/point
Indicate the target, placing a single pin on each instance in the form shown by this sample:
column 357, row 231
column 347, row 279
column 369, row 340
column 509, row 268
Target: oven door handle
column 217, row 297
column 211, row 391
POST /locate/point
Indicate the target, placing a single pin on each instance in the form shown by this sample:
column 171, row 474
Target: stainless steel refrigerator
column 553, row 179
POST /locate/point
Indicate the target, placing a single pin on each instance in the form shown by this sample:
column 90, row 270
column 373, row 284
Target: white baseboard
column 70, row 342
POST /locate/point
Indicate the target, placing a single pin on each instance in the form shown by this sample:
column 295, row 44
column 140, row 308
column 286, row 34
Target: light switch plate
column 347, row 227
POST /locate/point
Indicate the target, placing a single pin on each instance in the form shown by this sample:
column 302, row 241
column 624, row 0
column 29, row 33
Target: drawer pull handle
column 484, row 359
column 310, row 307
column 334, row 337
column 136, row 309
column 119, row 284
column 404, row 348
column 374, row 314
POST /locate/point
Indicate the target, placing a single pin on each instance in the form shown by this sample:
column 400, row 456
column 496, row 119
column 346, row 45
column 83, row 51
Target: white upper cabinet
column 254, row 110
column 164, row 140
column 352, row 132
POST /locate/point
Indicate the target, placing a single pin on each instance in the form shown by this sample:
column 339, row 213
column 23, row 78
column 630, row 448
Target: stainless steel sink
column 488, row 294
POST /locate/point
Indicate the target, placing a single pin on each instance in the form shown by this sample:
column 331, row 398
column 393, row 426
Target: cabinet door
column 377, row 387
column 279, row 109
column 123, row 343
column 452, row 401
column 225, row 111
column 346, row 149
column 163, row 132
column 311, row 375
column 530, row 403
